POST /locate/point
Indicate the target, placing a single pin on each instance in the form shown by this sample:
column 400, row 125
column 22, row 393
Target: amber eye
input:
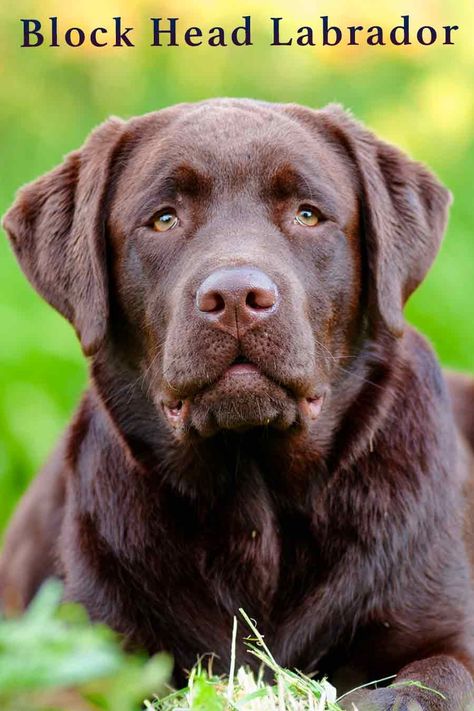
column 165, row 221
column 306, row 217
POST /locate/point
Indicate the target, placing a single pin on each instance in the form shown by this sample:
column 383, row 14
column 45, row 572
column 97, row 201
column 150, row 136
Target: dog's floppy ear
column 404, row 214
column 56, row 227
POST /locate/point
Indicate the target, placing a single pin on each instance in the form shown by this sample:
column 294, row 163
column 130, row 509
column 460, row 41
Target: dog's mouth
column 241, row 366
column 241, row 398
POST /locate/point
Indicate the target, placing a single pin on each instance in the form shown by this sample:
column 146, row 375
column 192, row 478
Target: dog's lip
column 178, row 412
column 176, row 406
column 241, row 369
column 174, row 399
column 246, row 375
column 310, row 407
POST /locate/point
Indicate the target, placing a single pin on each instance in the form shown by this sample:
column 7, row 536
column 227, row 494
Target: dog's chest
column 246, row 554
column 201, row 564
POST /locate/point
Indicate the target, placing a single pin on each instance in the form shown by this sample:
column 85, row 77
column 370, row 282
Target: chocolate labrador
column 262, row 429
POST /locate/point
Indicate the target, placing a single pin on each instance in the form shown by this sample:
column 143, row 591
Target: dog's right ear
column 56, row 227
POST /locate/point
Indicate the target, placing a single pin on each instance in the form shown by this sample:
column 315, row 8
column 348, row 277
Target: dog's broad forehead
column 245, row 146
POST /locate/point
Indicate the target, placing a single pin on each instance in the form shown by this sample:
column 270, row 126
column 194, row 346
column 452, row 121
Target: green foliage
column 243, row 689
column 54, row 659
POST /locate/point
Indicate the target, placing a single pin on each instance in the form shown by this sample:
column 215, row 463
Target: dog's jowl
column 262, row 429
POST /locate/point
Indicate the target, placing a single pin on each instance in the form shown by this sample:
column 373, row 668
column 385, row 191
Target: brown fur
column 182, row 490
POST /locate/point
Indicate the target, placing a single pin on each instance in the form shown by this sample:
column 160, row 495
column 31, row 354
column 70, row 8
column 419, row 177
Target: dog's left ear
column 56, row 227
column 404, row 214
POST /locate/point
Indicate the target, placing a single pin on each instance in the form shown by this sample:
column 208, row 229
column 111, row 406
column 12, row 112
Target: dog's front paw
column 384, row 700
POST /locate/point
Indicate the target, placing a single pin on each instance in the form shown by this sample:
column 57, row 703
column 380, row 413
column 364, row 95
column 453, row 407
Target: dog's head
column 230, row 255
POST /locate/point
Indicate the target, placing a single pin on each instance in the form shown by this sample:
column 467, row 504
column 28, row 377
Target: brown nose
column 237, row 298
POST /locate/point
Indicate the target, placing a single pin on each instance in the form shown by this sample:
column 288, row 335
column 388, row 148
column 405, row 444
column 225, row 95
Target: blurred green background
column 418, row 97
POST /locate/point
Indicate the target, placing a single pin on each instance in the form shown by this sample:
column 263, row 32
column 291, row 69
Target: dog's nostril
column 210, row 302
column 260, row 299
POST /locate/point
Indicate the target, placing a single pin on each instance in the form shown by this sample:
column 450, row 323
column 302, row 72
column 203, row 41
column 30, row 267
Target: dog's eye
column 164, row 221
column 306, row 217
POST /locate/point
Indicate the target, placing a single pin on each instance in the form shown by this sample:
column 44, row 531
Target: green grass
column 67, row 663
column 243, row 689
column 54, row 659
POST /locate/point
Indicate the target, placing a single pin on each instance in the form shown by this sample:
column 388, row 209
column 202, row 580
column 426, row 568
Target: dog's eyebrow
column 182, row 180
column 288, row 182
column 186, row 179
